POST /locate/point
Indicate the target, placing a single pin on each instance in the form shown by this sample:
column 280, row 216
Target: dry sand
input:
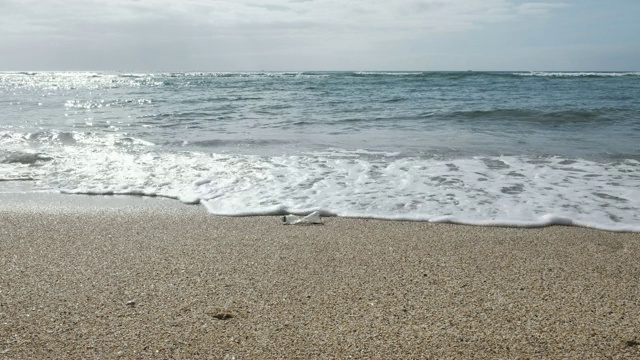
column 137, row 278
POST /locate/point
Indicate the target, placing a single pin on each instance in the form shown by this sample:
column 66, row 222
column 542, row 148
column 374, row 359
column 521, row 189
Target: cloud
column 536, row 8
column 432, row 15
column 211, row 30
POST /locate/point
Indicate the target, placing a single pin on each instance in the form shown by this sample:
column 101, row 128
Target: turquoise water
column 523, row 149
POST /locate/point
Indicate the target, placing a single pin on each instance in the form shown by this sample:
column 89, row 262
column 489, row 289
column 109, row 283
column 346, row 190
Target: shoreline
column 58, row 202
column 55, row 202
column 138, row 277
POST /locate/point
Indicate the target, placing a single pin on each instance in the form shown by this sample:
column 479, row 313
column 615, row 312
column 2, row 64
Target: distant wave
column 388, row 73
column 577, row 74
column 241, row 74
column 105, row 80
column 467, row 74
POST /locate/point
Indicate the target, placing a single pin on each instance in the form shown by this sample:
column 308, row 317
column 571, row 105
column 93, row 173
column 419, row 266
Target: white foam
column 504, row 191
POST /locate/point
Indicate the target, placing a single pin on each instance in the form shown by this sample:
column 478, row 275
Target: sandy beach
column 86, row 277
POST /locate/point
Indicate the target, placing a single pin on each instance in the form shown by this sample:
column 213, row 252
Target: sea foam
column 480, row 190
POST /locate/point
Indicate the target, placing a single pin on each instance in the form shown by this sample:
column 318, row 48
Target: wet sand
column 136, row 278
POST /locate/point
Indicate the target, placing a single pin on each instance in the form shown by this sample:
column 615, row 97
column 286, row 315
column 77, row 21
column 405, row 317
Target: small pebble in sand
column 223, row 316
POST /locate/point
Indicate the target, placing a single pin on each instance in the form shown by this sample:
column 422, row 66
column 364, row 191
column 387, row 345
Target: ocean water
column 485, row 148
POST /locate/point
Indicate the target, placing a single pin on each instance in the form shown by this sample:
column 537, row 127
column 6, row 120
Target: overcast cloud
column 223, row 35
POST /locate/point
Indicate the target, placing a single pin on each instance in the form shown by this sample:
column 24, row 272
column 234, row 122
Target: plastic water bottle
column 313, row 218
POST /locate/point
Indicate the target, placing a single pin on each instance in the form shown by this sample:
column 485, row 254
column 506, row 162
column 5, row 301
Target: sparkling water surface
column 521, row 149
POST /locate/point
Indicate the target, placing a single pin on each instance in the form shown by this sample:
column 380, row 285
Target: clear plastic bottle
column 313, row 218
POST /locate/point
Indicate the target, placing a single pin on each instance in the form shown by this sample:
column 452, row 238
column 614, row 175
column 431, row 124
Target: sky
column 298, row 35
